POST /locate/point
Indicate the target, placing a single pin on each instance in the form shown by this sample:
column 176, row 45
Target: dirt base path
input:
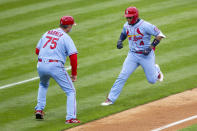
column 150, row 116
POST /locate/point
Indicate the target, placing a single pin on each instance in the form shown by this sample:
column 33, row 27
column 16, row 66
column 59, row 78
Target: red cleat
column 39, row 114
column 72, row 121
column 107, row 102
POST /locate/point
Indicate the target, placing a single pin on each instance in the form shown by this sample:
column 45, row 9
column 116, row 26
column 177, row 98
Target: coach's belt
column 40, row 60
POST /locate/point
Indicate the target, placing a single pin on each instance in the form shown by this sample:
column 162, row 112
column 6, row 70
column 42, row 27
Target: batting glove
column 119, row 44
column 147, row 51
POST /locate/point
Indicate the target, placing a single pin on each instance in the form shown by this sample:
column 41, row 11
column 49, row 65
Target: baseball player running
column 52, row 50
column 141, row 52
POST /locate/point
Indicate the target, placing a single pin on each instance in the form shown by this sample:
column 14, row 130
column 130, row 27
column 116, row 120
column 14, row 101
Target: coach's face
column 69, row 28
column 129, row 19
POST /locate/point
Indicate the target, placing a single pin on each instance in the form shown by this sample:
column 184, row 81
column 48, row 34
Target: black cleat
column 39, row 114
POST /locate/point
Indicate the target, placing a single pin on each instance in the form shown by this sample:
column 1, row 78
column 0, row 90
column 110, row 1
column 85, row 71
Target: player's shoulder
column 147, row 24
column 144, row 22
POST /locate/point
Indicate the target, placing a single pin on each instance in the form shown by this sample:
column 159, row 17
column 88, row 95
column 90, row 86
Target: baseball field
column 99, row 23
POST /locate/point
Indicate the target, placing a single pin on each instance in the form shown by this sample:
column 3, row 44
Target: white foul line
column 18, row 83
column 176, row 123
column 25, row 81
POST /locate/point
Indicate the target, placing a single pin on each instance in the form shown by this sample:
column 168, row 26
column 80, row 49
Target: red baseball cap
column 67, row 20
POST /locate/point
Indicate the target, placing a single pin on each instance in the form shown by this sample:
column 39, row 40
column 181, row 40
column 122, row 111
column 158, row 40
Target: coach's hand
column 74, row 78
column 147, row 51
column 119, row 44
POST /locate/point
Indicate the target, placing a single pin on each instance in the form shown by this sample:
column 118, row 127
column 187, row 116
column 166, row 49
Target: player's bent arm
column 157, row 39
column 161, row 35
column 123, row 36
column 73, row 63
column 155, row 42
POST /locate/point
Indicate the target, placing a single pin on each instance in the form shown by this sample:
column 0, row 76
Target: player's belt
column 40, row 60
column 139, row 52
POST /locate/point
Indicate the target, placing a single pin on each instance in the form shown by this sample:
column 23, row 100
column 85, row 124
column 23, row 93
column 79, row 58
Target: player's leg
column 63, row 79
column 151, row 70
column 161, row 76
column 42, row 91
column 129, row 66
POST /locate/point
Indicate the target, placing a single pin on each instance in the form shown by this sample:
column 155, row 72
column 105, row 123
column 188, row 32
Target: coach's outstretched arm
column 73, row 63
column 123, row 36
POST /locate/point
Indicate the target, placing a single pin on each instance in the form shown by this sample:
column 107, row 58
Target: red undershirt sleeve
column 73, row 63
column 37, row 51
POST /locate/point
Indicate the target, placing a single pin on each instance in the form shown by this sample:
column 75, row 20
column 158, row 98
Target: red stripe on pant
column 74, row 90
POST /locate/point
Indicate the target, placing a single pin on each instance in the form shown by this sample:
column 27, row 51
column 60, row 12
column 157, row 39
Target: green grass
column 99, row 25
column 190, row 128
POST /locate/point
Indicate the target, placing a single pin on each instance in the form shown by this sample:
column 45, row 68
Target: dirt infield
column 149, row 116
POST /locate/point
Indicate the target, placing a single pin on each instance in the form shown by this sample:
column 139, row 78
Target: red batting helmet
column 67, row 20
column 132, row 12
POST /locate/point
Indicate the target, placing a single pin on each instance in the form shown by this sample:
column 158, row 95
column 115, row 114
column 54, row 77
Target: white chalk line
column 176, row 123
column 25, row 81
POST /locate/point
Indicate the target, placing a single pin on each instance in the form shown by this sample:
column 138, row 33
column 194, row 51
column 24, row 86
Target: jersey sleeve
column 152, row 29
column 124, row 30
column 39, row 44
column 73, row 63
column 70, row 47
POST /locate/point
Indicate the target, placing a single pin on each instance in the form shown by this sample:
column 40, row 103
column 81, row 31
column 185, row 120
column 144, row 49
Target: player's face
column 129, row 19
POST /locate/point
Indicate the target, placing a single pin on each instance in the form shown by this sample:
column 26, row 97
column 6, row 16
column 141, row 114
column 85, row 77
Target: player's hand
column 119, row 44
column 147, row 51
column 74, row 78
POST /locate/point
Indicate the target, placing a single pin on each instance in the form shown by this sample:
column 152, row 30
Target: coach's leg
column 71, row 98
column 129, row 66
column 64, row 81
column 42, row 91
column 151, row 71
